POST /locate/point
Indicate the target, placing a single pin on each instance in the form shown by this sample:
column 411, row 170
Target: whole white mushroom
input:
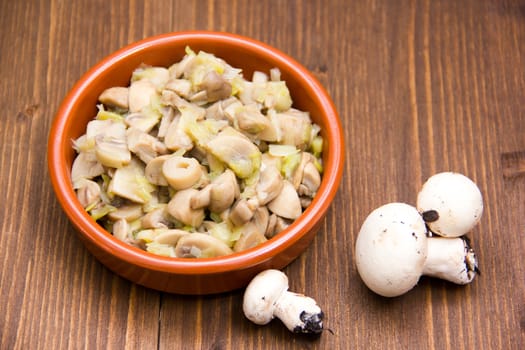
column 393, row 251
column 267, row 296
column 451, row 204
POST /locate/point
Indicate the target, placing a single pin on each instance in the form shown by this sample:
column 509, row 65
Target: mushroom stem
column 299, row 313
column 451, row 259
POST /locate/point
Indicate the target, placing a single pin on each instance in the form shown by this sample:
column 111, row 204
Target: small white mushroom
column 392, row 252
column 267, row 296
column 451, row 204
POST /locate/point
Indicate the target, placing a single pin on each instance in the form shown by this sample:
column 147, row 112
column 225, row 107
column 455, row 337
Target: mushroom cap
column 391, row 249
column 261, row 295
column 451, row 204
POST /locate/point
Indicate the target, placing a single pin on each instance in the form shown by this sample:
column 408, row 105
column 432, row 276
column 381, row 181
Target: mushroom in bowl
column 181, row 275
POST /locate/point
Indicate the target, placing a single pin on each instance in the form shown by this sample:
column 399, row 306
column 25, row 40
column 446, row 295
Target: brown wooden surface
column 421, row 87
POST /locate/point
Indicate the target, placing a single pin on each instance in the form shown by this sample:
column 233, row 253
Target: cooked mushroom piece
column 121, row 230
column 128, row 212
column 311, row 180
column 287, row 203
column 261, row 218
column 115, row 96
column 269, row 185
column 238, row 152
column 201, row 245
column 224, row 191
column 170, row 237
column 143, row 145
column 157, row 218
column 181, row 86
column 216, row 87
column 250, row 237
column 140, row 94
column 295, row 128
column 250, row 119
column 180, row 208
column 175, row 137
column 130, row 182
column 86, row 166
column 88, row 192
column 153, row 170
column 181, row 172
column 202, row 198
column 241, row 212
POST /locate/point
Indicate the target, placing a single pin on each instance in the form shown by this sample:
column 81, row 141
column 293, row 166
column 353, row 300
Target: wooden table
column 421, row 87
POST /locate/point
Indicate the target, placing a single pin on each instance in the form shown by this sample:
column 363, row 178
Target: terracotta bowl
column 193, row 276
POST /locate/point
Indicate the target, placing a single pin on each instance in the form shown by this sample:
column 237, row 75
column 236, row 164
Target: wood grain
column 421, row 87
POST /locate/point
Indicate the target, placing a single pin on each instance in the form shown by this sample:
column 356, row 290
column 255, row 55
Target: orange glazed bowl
column 203, row 275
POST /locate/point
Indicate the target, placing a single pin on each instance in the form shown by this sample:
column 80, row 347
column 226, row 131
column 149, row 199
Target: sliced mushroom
column 153, row 170
column 88, row 192
column 250, row 119
column 128, row 212
column 216, row 87
column 121, row 230
column 157, row 218
column 130, row 182
column 140, row 94
column 143, row 145
column 270, row 184
column 181, row 86
column 261, row 218
column 311, row 180
column 202, row 198
column 281, row 224
column 144, row 121
column 115, row 96
column 287, row 203
column 112, row 152
column 180, row 208
column 224, row 191
column 201, row 245
column 295, row 128
column 110, row 142
column 170, row 237
column 270, row 229
column 241, row 212
column 86, row 166
column 239, row 153
column 168, row 114
column 298, row 173
column 181, row 172
column 250, row 237
column 176, row 138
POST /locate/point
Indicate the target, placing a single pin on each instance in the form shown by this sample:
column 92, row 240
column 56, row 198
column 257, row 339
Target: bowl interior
column 79, row 108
